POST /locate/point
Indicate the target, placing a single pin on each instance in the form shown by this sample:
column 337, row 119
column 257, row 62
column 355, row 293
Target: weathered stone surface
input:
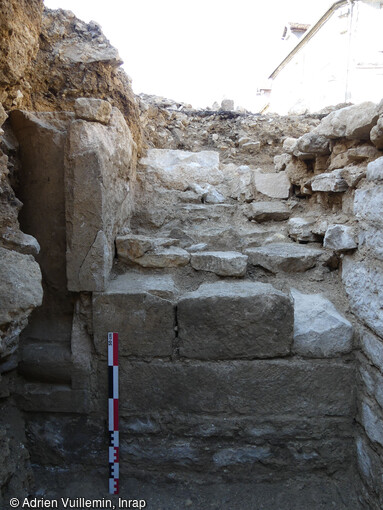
column 300, row 229
column 319, row 329
column 20, row 293
column 272, row 185
column 364, row 286
column 376, row 134
column 161, row 285
column 175, row 169
column 370, row 468
column 281, row 161
column 45, row 362
column 222, row 263
column 354, row 122
column 368, row 205
column 372, row 421
column 144, row 321
column 372, row 239
column 329, row 182
column 353, row 174
column 99, row 167
column 132, row 247
column 241, row 185
column 93, row 110
column 375, row 170
column 314, row 144
column 164, row 257
column 310, row 388
column 288, row 257
column 372, row 347
column 235, row 320
column 18, row 241
column 268, row 211
column 340, row 238
column 290, row 145
column 3, row 115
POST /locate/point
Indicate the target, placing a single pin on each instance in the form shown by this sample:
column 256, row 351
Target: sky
column 198, row 51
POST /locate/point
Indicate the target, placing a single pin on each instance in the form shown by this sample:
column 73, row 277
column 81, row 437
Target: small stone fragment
column 329, row 182
column 340, row 238
column 93, row 110
column 300, row 229
column 319, row 329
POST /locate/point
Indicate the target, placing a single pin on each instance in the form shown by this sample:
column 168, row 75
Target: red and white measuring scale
column 114, row 440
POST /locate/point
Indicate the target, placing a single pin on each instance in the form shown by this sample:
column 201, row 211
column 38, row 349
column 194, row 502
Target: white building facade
column 339, row 60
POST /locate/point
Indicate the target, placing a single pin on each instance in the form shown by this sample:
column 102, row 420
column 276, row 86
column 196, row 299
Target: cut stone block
column 222, row 263
column 300, row 229
column 288, row 257
column 306, row 388
column 176, row 169
column 273, row 185
column 98, row 168
column 93, row 110
column 268, row 211
column 132, row 247
column 164, row 257
column 329, row 182
column 144, row 321
column 340, row 238
column 364, row 286
column 372, row 238
column 319, row 329
column 235, row 320
column 161, row 285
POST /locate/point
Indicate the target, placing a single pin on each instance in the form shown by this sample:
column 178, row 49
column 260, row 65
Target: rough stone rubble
column 238, row 256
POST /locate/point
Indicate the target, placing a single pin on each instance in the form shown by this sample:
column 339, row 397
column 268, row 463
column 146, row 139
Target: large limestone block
column 99, row 167
column 364, row 286
column 176, row 169
column 319, row 329
column 20, row 292
column 161, row 285
column 273, row 185
column 368, row 205
column 222, row 263
column 144, row 321
column 268, row 211
column 340, row 238
column 288, row 257
column 262, row 388
column 354, row 122
column 235, row 320
column 332, row 181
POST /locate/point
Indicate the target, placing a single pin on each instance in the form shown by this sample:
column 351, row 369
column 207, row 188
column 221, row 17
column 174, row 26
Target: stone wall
column 349, row 141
